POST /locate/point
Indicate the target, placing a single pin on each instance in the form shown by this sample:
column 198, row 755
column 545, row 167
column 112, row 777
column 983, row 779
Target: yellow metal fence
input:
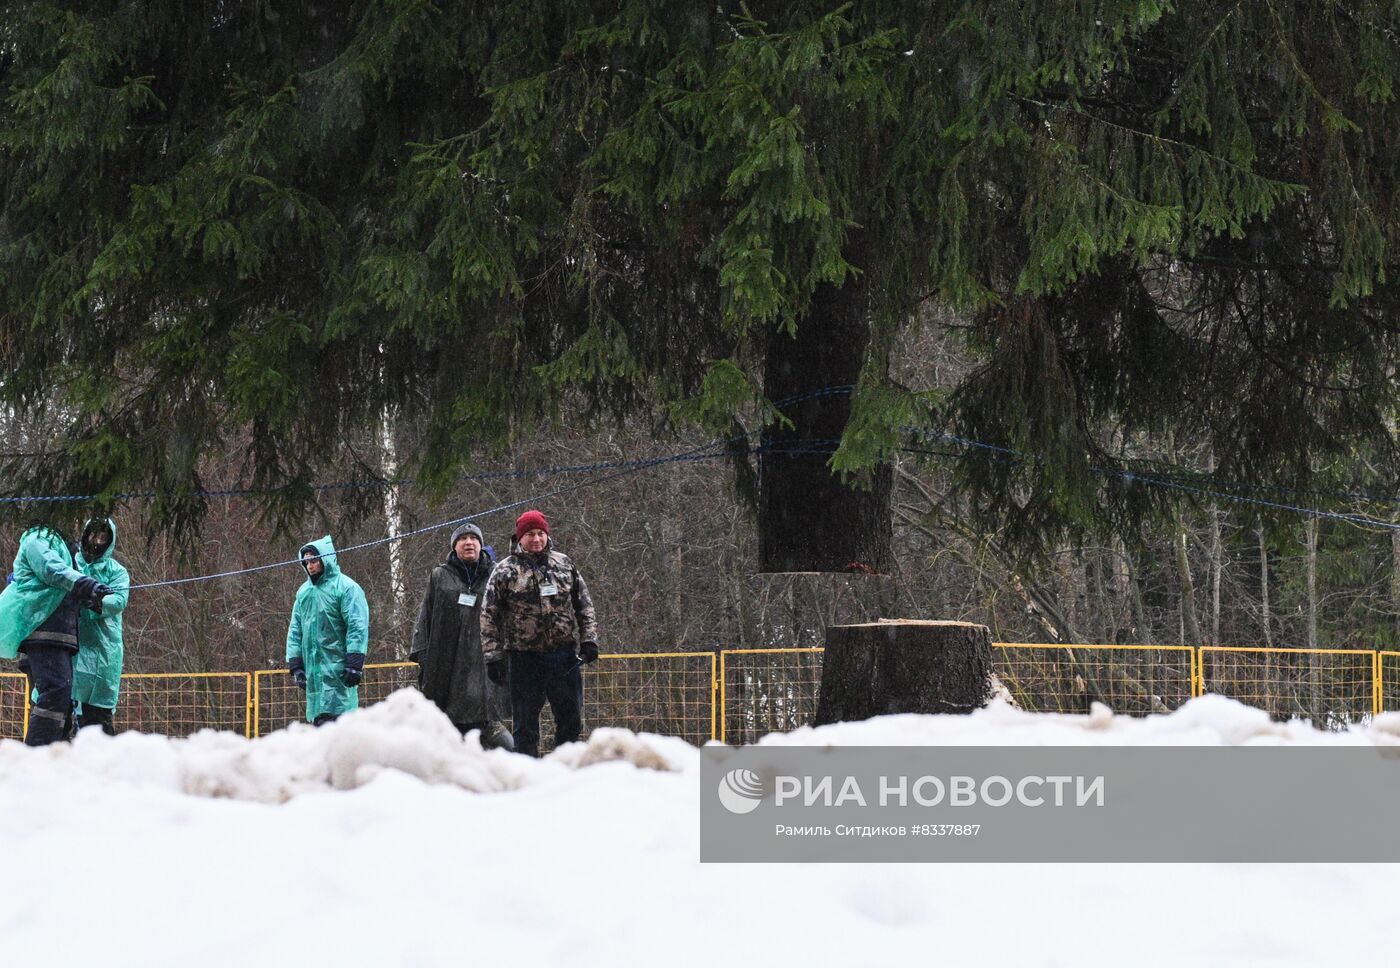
column 738, row 695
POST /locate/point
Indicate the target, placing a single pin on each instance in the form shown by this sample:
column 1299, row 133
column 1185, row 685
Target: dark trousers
column 324, row 718
column 535, row 677
column 97, row 716
column 50, row 671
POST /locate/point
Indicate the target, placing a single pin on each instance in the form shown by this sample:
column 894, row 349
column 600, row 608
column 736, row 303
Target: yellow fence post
column 723, row 694
column 1375, row 683
column 248, row 705
column 714, row 693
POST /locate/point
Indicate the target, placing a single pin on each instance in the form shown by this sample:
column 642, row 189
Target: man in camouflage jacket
column 538, row 623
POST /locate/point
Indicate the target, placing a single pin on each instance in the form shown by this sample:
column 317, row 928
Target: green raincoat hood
column 111, row 545
column 330, row 620
column 97, row 669
column 325, row 549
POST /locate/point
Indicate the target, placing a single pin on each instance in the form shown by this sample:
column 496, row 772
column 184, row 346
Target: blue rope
column 704, row 452
column 1357, row 519
column 710, row 451
column 554, row 471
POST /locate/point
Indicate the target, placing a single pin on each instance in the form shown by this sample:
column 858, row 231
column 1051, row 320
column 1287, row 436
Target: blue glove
column 354, row 669
column 299, row 673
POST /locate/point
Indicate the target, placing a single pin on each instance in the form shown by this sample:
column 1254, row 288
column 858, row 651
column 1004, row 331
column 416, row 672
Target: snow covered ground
column 387, row 840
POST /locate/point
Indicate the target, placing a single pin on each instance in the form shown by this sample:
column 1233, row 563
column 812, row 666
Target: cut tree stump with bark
column 901, row 666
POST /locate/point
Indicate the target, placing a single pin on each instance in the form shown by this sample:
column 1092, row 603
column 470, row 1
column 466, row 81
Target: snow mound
column 1205, row 721
column 643, row 750
column 404, row 733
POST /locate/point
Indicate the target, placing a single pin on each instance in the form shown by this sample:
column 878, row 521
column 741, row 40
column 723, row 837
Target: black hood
column 470, row 572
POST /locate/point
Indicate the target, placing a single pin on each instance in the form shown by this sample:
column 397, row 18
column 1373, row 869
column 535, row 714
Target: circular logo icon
column 740, row 791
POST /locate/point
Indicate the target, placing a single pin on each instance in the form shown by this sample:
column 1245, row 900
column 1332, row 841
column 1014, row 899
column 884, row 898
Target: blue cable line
column 704, row 452
column 409, row 481
column 713, row 450
column 1357, row 519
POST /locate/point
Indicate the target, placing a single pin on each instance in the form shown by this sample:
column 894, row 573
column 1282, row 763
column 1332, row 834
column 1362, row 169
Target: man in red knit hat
column 538, row 624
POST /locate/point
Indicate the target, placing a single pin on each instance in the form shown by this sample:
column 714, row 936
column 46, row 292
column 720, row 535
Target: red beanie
column 529, row 521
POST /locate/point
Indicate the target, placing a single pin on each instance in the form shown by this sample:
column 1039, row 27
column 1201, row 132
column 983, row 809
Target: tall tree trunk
column 1217, row 570
column 1317, row 710
column 1217, row 564
column 1190, row 627
column 1101, row 605
column 393, row 518
column 1140, row 617
column 1310, row 539
column 1395, row 579
column 808, row 519
column 1266, row 613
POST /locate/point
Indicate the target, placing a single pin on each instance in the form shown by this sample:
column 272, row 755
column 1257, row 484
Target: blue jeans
column 535, row 677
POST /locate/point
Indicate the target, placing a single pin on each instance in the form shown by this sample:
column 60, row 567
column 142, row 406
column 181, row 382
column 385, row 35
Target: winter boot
column 97, row 716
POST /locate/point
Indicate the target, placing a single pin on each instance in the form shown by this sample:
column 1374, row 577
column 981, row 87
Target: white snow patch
column 386, row 839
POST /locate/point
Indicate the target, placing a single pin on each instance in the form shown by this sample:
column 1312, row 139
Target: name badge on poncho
column 467, row 600
column 547, row 589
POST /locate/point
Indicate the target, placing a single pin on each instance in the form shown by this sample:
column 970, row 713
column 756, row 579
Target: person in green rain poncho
column 328, row 636
column 39, row 624
column 97, row 668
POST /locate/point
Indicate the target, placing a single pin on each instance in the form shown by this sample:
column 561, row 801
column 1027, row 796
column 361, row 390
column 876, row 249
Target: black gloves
column 90, row 592
column 354, row 668
column 588, row 653
column 496, row 667
column 299, row 673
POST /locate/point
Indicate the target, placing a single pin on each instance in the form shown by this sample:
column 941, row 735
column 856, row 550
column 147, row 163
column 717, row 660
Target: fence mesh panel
column 179, row 704
column 1388, row 667
column 768, row 691
column 740, row 695
column 13, row 686
column 280, row 702
column 1132, row 680
column 672, row 694
column 1331, row 687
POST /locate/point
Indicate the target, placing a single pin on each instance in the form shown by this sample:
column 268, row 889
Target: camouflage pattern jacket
column 517, row 618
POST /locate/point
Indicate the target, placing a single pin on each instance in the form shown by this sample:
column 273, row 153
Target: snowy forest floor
column 385, row 839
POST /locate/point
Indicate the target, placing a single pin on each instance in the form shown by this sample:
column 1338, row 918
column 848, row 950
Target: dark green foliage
column 288, row 217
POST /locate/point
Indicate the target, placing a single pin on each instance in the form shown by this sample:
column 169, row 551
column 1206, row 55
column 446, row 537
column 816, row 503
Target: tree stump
column 902, row 666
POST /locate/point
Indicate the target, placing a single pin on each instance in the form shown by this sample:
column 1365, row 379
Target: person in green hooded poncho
column 328, row 636
column 97, row 668
column 39, row 618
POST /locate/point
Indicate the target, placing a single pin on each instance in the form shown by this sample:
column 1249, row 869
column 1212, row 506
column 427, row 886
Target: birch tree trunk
column 1310, row 539
column 1190, row 627
column 1265, row 613
column 393, row 518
